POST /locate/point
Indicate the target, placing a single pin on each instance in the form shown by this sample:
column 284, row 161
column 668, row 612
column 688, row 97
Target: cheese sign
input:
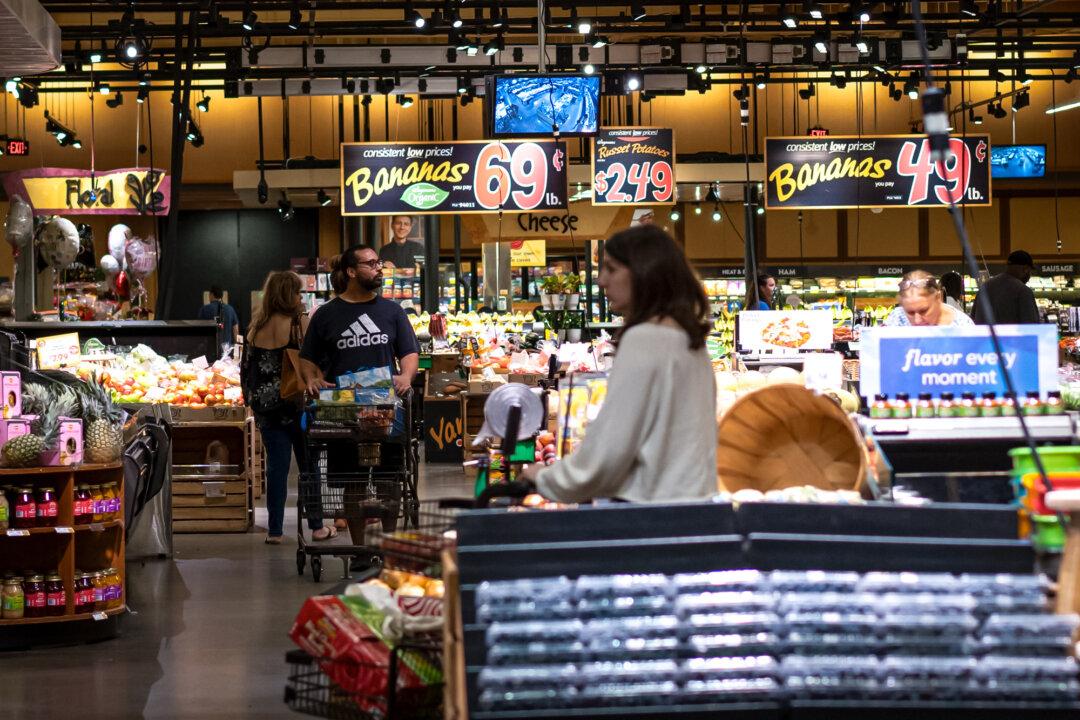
column 453, row 177
column 633, row 166
column 874, row 172
column 934, row 360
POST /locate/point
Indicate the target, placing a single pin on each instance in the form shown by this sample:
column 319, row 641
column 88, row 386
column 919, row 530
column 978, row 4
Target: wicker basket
column 787, row 436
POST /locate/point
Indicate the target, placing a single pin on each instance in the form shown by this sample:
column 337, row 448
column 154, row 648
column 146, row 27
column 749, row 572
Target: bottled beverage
column 901, row 406
column 968, row 406
column 100, row 585
column 946, row 406
column 48, row 509
column 988, row 406
column 1032, row 405
column 98, row 498
column 1054, row 404
column 880, row 408
column 924, row 407
column 114, row 590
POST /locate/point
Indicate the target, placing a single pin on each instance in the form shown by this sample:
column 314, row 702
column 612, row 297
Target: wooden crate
column 205, row 502
column 472, row 412
column 256, row 463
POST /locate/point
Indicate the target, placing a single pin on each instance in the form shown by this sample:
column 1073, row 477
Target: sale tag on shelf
column 823, row 371
column 633, row 166
column 18, row 533
column 58, row 351
column 62, row 530
column 470, row 176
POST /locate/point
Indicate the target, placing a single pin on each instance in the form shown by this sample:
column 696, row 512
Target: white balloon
column 110, row 265
column 20, row 222
column 59, row 242
column 118, row 239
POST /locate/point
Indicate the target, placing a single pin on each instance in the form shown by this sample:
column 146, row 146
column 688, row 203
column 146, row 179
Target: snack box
column 13, row 428
column 11, row 385
column 69, row 447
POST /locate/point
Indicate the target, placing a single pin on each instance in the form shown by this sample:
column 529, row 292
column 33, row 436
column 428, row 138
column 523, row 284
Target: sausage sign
column 874, row 171
column 453, row 177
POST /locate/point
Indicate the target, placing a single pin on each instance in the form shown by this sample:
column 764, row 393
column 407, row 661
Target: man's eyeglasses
column 371, row 264
column 930, row 283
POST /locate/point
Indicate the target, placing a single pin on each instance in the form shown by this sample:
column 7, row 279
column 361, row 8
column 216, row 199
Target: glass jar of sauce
column 108, row 500
column 83, row 505
column 84, row 593
column 5, row 512
column 98, row 498
column 100, row 586
column 55, row 595
column 12, row 599
column 117, row 503
column 114, row 589
column 47, row 507
column 34, row 590
column 25, row 515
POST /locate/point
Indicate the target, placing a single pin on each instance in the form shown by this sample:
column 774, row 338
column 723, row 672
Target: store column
column 496, row 288
column 432, row 290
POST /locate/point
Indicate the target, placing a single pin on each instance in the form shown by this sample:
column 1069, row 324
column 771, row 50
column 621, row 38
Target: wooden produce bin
column 207, row 497
column 256, row 462
column 66, row 547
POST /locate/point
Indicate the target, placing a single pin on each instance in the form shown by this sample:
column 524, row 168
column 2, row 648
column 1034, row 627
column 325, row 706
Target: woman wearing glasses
column 922, row 303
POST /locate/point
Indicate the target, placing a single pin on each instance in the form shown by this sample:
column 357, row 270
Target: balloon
column 118, row 239
column 20, row 222
column 122, row 285
column 141, row 257
column 110, row 265
column 59, row 242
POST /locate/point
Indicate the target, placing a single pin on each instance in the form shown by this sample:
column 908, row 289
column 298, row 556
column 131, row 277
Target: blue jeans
column 281, row 442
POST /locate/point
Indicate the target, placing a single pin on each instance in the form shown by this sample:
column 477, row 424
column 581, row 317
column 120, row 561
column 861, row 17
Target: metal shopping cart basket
column 380, row 690
column 356, row 468
column 418, row 548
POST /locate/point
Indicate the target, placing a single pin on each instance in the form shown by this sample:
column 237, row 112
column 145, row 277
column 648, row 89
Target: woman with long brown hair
column 278, row 325
column 654, row 439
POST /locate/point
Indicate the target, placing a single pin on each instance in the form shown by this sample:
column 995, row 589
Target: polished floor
column 206, row 636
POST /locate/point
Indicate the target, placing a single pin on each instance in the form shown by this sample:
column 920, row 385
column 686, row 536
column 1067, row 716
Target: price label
column 99, row 616
column 233, row 393
column 97, row 527
column 200, row 362
column 18, row 533
column 61, row 530
column 633, row 166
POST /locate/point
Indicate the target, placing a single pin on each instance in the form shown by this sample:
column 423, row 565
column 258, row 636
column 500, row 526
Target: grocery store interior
column 509, row 359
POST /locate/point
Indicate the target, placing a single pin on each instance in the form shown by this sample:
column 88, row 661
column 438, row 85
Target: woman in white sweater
column 654, row 439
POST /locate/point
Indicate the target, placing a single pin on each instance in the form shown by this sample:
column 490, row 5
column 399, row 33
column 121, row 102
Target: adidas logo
column 362, row 333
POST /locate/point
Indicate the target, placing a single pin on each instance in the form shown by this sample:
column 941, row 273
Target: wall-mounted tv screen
column 1017, row 161
column 533, row 105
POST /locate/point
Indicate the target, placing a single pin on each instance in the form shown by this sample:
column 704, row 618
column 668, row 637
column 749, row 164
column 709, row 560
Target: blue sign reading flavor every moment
column 936, row 360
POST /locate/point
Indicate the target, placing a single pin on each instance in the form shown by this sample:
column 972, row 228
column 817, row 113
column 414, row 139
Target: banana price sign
column 874, row 172
column 453, row 177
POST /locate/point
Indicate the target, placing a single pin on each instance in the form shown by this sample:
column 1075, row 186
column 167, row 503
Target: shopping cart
column 418, row 548
column 356, row 469
column 381, row 694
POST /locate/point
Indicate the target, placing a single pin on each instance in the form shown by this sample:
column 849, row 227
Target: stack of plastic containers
column 744, row 636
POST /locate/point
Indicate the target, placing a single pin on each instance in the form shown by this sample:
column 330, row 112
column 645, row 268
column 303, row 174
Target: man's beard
column 373, row 285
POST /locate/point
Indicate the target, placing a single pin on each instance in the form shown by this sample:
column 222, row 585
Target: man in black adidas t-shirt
column 359, row 329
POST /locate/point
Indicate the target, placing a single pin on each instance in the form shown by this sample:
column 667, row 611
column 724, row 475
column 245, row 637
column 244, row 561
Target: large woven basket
column 787, row 436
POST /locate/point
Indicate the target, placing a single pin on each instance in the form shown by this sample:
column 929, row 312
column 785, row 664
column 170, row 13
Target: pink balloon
column 141, row 256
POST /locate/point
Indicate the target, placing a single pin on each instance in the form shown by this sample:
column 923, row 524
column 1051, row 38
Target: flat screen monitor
column 1017, row 161
column 534, row 105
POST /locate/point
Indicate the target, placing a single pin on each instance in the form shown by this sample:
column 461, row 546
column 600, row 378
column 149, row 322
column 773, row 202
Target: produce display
column 456, row 326
column 141, row 375
column 732, row 385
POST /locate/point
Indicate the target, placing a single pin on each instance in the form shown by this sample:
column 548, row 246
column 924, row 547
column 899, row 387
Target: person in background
column 278, row 324
column 222, row 313
column 921, row 303
column 952, row 287
column 401, row 252
column 760, row 297
column 1010, row 298
column 668, row 451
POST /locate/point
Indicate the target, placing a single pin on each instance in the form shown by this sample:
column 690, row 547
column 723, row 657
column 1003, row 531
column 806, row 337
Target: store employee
column 359, row 328
column 401, row 252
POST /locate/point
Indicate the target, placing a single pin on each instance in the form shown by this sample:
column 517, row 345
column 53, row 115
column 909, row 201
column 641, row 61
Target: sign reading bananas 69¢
column 453, row 177
column 874, row 171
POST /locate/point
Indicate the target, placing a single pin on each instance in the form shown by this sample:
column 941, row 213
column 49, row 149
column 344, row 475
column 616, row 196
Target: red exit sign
column 818, row 132
column 14, row 146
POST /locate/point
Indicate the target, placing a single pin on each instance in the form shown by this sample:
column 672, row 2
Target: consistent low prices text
column 935, row 360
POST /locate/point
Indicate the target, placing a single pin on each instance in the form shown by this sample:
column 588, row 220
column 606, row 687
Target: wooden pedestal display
column 63, row 549
column 209, row 495
column 256, row 462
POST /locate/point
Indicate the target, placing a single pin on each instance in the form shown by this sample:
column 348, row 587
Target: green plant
column 571, row 283
column 551, row 284
column 573, row 320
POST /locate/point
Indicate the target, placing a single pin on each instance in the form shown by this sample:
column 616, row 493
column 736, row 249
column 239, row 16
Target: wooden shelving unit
column 204, row 500
column 67, row 546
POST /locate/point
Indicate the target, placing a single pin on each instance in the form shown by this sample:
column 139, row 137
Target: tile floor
column 206, row 636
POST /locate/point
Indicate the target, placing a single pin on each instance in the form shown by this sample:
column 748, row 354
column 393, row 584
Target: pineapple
column 103, row 437
column 26, row 450
column 34, row 398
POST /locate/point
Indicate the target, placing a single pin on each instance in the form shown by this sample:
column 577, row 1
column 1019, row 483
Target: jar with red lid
column 84, row 593
column 83, row 505
column 55, row 595
column 47, row 507
column 25, row 515
column 34, row 590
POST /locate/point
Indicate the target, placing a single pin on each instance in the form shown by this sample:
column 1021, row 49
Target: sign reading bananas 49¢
column 453, row 177
column 874, row 171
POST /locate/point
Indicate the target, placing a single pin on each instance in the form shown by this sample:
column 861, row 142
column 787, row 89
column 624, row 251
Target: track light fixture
column 862, row 14
column 895, row 93
column 969, row 8
column 633, row 82
column 285, row 208
column 788, row 19
column 584, row 26
column 250, row 18
column 455, row 19
column 973, row 118
column 1020, row 102
column 413, row 17
column 813, row 10
column 1023, row 77
column 204, row 104
column 838, row 81
column 194, row 135
column 588, row 69
column 104, row 89
column 116, row 100
column 675, row 215
column 323, row 198
column 405, row 101
column 861, row 45
column 807, row 92
column 761, row 80
column 294, row 16
column 141, row 96
column 716, row 216
column 996, row 75
column 599, row 41
column 637, row 10
column 821, row 42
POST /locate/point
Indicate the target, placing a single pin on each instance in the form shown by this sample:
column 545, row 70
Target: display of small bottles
column 96, row 503
column 968, row 406
column 34, row 595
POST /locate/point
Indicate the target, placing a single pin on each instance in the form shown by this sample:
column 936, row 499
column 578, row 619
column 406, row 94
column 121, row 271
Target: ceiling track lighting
column 969, row 8
column 807, row 92
column 821, row 43
column 862, row 13
column 788, row 19
column 598, row 41
column 140, row 97
column 323, row 199
column 250, row 19
column 633, row 83
column 295, row 19
column 285, row 208
column 637, row 10
column 588, row 69
column 716, row 215
column 1020, row 102
column 405, row 101
column 973, row 118
column 814, row 10
column 204, row 104
column 115, row 101
column 675, row 215
column 413, row 17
